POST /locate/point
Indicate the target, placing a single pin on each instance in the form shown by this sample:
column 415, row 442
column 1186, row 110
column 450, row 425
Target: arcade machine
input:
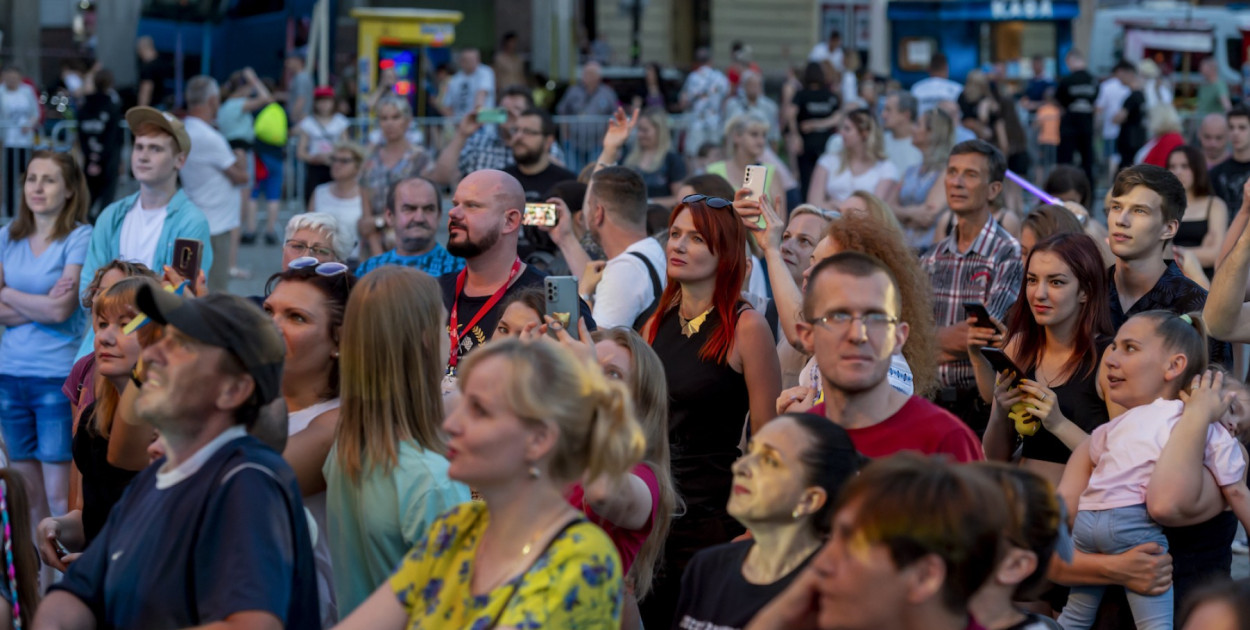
column 399, row 45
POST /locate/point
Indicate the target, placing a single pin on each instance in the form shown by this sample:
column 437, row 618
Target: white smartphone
column 753, row 180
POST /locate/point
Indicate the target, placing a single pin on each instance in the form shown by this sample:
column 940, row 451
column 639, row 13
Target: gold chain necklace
column 525, row 551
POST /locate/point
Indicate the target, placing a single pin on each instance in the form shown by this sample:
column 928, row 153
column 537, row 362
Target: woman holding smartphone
column 721, row 364
column 1055, row 334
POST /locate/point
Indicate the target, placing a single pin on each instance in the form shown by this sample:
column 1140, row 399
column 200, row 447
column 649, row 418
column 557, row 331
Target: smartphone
column 187, row 255
column 539, row 214
column 493, row 116
column 978, row 310
column 562, row 301
column 753, row 179
column 1002, row 363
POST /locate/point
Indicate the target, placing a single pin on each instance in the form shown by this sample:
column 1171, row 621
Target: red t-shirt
column 628, row 541
column 918, row 426
column 1158, row 155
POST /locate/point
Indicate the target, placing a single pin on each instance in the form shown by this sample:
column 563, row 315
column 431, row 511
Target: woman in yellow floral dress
column 533, row 418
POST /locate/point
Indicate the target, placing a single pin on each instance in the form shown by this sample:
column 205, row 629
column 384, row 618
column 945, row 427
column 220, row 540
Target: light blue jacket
column 182, row 220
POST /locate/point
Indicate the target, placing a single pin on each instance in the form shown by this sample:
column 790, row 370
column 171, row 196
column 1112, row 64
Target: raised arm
column 1181, row 490
column 565, row 238
column 626, row 501
column 619, row 128
column 786, row 294
column 1226, row 312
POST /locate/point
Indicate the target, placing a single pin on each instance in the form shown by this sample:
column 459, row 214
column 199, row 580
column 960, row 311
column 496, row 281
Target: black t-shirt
column 100, row 134
column 715, row 595
column 538, row 186
column 158, row 71
column 1076, row 94
column 230, row 537
column 1227, row 180
column 814, row 104
column 1079, row 402
column 670, row 171
column 469, row 306
column 1172, row 292
column 103, row 484
column 1132, row 131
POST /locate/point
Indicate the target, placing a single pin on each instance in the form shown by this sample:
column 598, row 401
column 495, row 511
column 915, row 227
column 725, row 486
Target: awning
column 991, row 11
column 1136, row 41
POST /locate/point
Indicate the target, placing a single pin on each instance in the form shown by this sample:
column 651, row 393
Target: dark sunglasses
column 716, row 203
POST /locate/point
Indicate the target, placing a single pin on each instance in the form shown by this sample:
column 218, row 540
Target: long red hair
column 727, row 239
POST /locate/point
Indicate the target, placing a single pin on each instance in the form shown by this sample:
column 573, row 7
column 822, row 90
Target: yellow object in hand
column 1026, row 425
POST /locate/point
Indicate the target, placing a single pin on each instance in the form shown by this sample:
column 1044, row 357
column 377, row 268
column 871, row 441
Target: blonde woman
column 861, row 165
column 917, row 200
column 746, row 144
column 523, row 557
column 652, row 156
column 386, row 476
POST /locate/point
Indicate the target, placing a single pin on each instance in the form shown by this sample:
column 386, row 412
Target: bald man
column 1213, row 135
column 483, row 227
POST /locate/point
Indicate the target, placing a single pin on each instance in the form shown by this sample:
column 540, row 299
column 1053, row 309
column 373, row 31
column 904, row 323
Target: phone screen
column 539, row 214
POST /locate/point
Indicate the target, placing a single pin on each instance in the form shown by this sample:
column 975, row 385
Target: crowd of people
column 883, row 388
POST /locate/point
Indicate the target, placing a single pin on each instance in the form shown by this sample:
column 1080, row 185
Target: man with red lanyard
column 483, row 226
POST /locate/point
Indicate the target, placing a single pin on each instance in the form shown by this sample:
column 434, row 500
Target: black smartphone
column 187, row 255
column 1002, row 363
column 978, row 310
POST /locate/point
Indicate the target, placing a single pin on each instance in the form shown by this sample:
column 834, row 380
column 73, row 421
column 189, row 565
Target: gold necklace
column 691, row 326
column 526, row 549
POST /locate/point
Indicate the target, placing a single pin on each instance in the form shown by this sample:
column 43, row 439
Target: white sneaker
column 1240, row 547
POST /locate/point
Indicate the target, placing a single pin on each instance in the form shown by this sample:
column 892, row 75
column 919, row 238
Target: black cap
column 228, row 322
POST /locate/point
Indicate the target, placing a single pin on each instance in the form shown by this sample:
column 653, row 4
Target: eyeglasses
column 527, row 132
column 342, row 160
column 712, row 202
column 839, row 321
column 322, row 268
column 303, row 250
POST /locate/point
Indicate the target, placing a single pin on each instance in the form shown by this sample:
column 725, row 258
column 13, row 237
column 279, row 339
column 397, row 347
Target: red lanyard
column 453, row 318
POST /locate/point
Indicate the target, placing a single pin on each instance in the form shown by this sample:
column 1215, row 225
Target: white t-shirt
column 346, row 211
column 19, row 108
column 141, row 231
column 1111, row 96
column 462, row 90
column 625, row 290
column 933, row 90
column 841, row 183
column 821, row 53
column 204, row 177
column 902, row 153
column 321, row 138
column 297, row 421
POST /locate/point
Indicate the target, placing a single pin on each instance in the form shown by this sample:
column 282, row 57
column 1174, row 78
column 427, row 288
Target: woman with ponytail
column 523, row 557
column 720, row 360
column 1155, row 369
column 19, row 586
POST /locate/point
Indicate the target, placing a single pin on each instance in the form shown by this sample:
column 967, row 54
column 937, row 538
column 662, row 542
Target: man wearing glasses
column 851, row 324
column 413, row 209
column 532, row 137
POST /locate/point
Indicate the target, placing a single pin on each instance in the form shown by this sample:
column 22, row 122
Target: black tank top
column 102, row 482
column 708, row 404
column 1080, row 403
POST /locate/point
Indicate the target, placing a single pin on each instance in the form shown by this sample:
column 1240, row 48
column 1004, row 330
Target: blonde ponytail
column 616, row 441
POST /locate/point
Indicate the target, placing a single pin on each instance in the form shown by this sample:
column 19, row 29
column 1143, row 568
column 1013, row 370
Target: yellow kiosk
column 396, row 39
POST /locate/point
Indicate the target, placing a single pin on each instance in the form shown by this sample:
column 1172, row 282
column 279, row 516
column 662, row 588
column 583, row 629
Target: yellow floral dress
column 575, row 584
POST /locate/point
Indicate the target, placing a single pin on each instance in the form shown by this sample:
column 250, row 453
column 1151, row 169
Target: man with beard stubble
column 483, row 227
column 413, row 208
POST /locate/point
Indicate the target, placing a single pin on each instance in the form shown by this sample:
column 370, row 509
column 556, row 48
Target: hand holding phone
column 493, row 116
column 1002, row 363
column 563, row 304
column 187, row 256
column 982, row 315
column 544, row 214
column 754, row 179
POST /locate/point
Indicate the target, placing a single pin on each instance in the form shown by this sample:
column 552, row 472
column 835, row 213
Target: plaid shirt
column 989, row 272
column 435, row 262
column 485, row 149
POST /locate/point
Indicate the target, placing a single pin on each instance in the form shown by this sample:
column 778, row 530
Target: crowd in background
column 917, row 377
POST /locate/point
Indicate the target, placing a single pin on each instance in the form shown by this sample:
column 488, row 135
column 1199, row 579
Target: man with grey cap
column 214, row 532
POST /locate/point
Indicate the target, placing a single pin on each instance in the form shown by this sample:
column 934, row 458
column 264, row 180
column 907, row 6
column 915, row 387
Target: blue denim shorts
column 35, row 418
column 271, row 185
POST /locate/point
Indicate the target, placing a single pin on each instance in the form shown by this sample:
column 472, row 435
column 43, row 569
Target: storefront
column 978, row 34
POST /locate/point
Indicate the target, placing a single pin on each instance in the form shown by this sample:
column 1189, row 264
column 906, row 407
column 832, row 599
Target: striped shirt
column 990, row 272
column 435, row 262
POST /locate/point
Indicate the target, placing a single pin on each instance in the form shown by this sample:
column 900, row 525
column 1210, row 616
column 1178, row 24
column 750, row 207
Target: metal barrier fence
column 580, row 138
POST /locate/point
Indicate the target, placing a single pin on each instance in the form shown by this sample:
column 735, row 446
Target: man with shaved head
column 483, row 227
column 1213, row 136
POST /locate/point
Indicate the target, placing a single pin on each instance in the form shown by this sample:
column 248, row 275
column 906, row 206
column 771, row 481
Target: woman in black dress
column 721, row 364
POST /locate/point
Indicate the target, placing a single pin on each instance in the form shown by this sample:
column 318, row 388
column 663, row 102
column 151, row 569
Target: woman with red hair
column 720, row 361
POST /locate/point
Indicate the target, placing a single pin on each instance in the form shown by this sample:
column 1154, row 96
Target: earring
column 795, row 514
column 334, row 355
column 534, row 472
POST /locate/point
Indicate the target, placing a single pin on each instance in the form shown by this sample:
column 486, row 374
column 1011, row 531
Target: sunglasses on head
column 322, row 268
column 711, row 202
